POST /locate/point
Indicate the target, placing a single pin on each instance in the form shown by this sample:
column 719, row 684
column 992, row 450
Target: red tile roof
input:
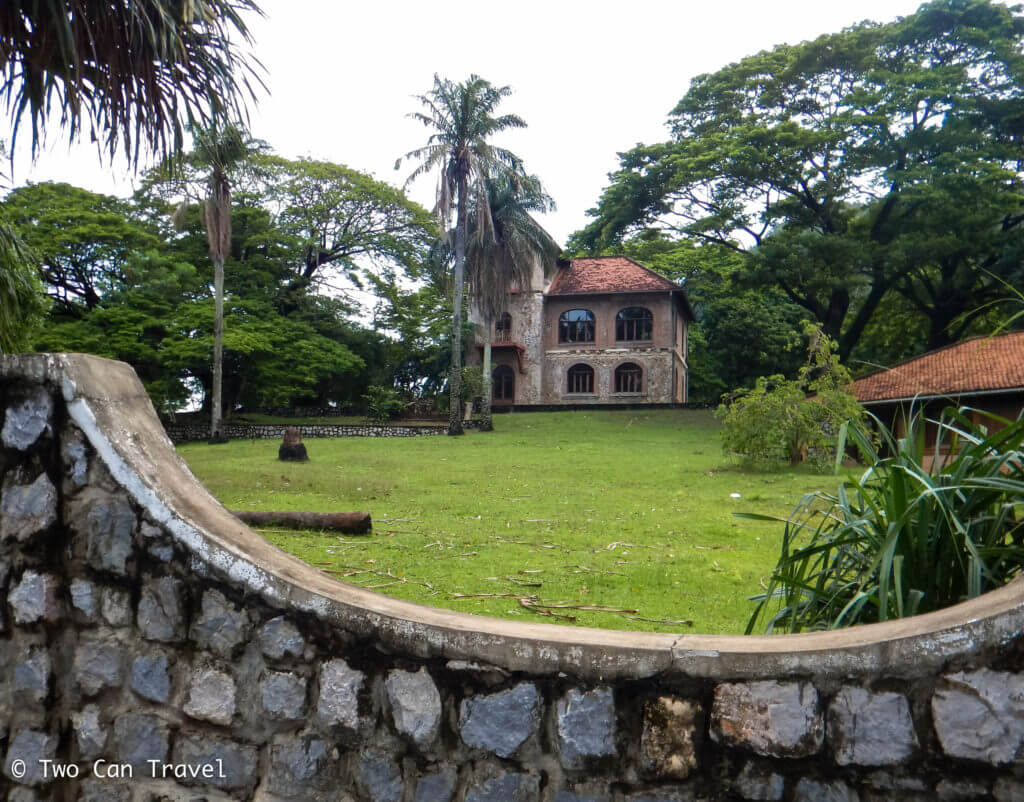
column 980, row 364
column 607, row 274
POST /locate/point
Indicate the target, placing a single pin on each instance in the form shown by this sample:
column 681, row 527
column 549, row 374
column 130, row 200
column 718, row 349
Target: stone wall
column 146, row 632
column 191, row 432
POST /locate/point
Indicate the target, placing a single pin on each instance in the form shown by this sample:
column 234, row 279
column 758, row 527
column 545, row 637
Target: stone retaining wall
column 145, row 631
column 190, row 432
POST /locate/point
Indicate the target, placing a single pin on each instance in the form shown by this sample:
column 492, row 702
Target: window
column 503, row 328
column 503, row 383
column 576, row 326
column 629, row 378
column 634, row 323
column 580, row 379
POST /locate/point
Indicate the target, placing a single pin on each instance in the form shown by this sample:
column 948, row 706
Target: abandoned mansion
column 600, row 331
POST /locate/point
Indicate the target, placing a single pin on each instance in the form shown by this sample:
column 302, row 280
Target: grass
column 623, row 509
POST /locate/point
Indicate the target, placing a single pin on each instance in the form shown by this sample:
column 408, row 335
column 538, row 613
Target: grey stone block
column 776, row 719
column 27, row 509
column 161, row 613
column 760, row 783
column 34, row 598
column 283, row 695
column 870, row 729
column 980, row 715
column 671, row 737
column 90, row 734
column 104, row 790
column 438, row 786
column 501, row 722
column 415, row 705
column 211, row 696
column 586, row 726
column 31, row 676
column 1007, row 790
column 151, row 677
column 97, row 665
column 808, row 790
column 116, row 606
column 506, row 788
column 74, row 455
column 26, row 419
column 85, row 598
column 30, row 747
column 584, row 793
column 107, row 523
column 279, row 638
column 234, row 765
column 379, row 776
column 672, row 794
column 338, row 702
column 220, row 627
column 301, row 769
column 139, row 738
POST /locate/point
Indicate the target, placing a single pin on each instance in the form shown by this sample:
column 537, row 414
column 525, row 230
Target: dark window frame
column 503, row 379
column 580, row 379
column 629, row 379
column 576, row 331
column 636, row 327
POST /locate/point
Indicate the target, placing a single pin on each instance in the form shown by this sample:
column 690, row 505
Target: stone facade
column 140, row 662
column 530, row 347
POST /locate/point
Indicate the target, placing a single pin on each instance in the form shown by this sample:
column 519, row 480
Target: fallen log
column 353, row 523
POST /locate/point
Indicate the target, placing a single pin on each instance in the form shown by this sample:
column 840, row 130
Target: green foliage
column 383, row 403
column 791, row 420
column 472, row 382
column 923, row 528
column 131, row 72
column 877, row 161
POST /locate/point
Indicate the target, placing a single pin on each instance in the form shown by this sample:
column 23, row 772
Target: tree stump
column 292, row 449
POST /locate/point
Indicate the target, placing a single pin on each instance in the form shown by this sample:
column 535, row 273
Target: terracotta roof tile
column 983, row 363
column 607, row 274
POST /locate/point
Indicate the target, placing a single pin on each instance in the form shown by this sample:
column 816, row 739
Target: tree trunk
column 455, row 380
column 216, row 433
column 486, row 423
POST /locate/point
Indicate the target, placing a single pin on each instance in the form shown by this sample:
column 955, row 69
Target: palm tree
column 502, row 255
column 462, row 119
column 219, row 149
column 130, row 72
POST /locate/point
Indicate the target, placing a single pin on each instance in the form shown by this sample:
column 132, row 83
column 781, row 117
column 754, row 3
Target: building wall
column 660, row 359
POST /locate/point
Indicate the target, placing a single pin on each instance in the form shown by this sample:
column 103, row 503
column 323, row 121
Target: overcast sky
column 591, row 79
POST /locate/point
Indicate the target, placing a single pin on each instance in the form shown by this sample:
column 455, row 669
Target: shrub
column 903, row 539
column 791, row 420
column 383, row 403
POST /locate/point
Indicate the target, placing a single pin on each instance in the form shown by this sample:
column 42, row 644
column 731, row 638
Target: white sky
column 590, row 78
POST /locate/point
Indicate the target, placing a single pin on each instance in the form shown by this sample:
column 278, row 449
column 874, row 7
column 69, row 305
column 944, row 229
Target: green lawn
column 628, row 510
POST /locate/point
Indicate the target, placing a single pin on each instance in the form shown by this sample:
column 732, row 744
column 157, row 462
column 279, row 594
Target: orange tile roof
column 980, row 364
column 607, row 274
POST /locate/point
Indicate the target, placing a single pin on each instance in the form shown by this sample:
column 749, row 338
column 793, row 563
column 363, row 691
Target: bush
column 903, row 539
column 383, row 403
column 791, row 420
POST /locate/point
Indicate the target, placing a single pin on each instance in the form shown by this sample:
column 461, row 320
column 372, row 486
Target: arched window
column 634, row 323
column 576, row 326
column 503, row 383
column 503, row 328
column 629, row 378
column 580, row 379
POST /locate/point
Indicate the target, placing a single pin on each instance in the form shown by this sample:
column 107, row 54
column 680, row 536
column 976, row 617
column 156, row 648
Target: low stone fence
column 154, row 648
column 191, row 432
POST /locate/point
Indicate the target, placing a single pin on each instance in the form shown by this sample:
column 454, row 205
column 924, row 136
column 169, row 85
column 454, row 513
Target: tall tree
column 502, row 255
column 462, row 119
column 820, row 161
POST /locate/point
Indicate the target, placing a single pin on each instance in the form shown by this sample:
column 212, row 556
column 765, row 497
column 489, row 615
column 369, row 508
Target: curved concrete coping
column 107, row 401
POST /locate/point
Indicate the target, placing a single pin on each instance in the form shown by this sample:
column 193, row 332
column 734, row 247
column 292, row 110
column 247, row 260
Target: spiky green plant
column 924, row 527
column 130, row 72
